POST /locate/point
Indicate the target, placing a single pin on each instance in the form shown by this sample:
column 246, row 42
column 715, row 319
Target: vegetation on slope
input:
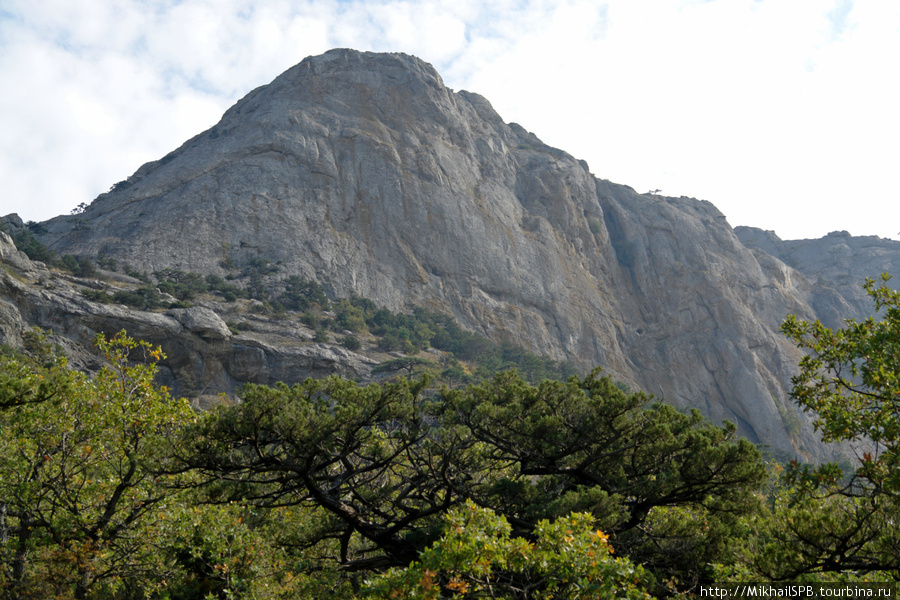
column 340, row 320
column 501, row 488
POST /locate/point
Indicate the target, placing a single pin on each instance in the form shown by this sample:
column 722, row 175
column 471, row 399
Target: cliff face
column 364, row 172
column 837, row 263
column 203, row 357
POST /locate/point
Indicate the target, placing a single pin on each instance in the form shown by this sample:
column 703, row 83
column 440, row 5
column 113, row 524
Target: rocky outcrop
column 201, row 321
column 203, row 358
column 12, row 256
column 837, row 264
column 364, row 172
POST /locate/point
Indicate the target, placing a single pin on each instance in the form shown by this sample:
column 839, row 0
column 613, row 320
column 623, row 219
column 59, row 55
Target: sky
column 785, row 114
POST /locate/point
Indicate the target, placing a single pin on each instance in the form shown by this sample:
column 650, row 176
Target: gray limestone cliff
column 203, row 357
column 366, row 173
column 838, row 263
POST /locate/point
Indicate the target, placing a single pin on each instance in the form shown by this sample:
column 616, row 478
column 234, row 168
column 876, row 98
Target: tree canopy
column 74, row 483
column 833, row 519
column 385, row 463
column 851, row 380
column 111, row 488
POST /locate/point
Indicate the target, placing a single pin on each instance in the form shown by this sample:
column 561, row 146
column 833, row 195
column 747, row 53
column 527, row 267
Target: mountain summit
column 364, row 172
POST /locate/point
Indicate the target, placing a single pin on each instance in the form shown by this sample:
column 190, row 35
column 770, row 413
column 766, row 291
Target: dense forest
column 500, row 487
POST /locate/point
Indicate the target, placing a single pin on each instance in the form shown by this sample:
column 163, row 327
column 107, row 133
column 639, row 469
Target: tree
column 832, row 521
column 300, row 294
column 642, row 470
column 26, row 241
column 349, row 316
column 361, row 455
column 228, row 551
column 32, row 377
column 181, row 285
column 394, row 365
column 351, row 342
column 477, row 558
column 74, row 483
column 851, row 380
column 384, row 466
column 825, row 533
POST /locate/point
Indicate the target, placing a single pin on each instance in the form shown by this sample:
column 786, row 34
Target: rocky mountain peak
column 363, row 172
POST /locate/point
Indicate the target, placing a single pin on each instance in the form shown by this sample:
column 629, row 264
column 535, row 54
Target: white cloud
column 781, row 113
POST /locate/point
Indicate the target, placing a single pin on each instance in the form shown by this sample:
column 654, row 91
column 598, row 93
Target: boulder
column 201, row 321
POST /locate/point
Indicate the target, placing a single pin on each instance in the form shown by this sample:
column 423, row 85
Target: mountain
column 204, row 357
column 364, row 172
column 835, row 261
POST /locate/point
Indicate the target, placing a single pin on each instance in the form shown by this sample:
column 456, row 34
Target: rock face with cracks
column 203, row 358
column 366, row 173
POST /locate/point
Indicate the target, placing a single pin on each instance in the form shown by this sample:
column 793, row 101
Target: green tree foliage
column 423, row 328
column 349, row 316
column 131, row 272
column 832, row 521
column 74, row 485
column 351, row 342
column 404, row 332
column 81, row 266
column 226, row 551
column 384, row 464
column 360, row 454
column 34, row 376
column 27, row 242
column 851, row 380
column 301, row 294
column 455, row 375
column 69, row 262
column 97, row 296
column 396, row 365
column 146, row 297
column 450, row 337
column 825, row 534
column 180, row 284
column 229, row 292
column 109, row 488
column 106, row 262
column 585, row 445
column 477, row 558
column 391, row 341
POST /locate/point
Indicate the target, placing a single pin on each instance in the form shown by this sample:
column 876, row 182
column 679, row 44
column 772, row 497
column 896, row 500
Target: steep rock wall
column 364, row 172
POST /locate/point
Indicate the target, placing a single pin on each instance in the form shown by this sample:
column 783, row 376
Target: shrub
column 131, row 272
column 351, row 342
column 144, row 298
column 182, row 285
column 69, row 262
column 478, row 557
column 229, row 292
column 97, row 296
column 106, row 262
column 349, row 316
column 300, row 294
column 33, row 248
column 391, row 341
